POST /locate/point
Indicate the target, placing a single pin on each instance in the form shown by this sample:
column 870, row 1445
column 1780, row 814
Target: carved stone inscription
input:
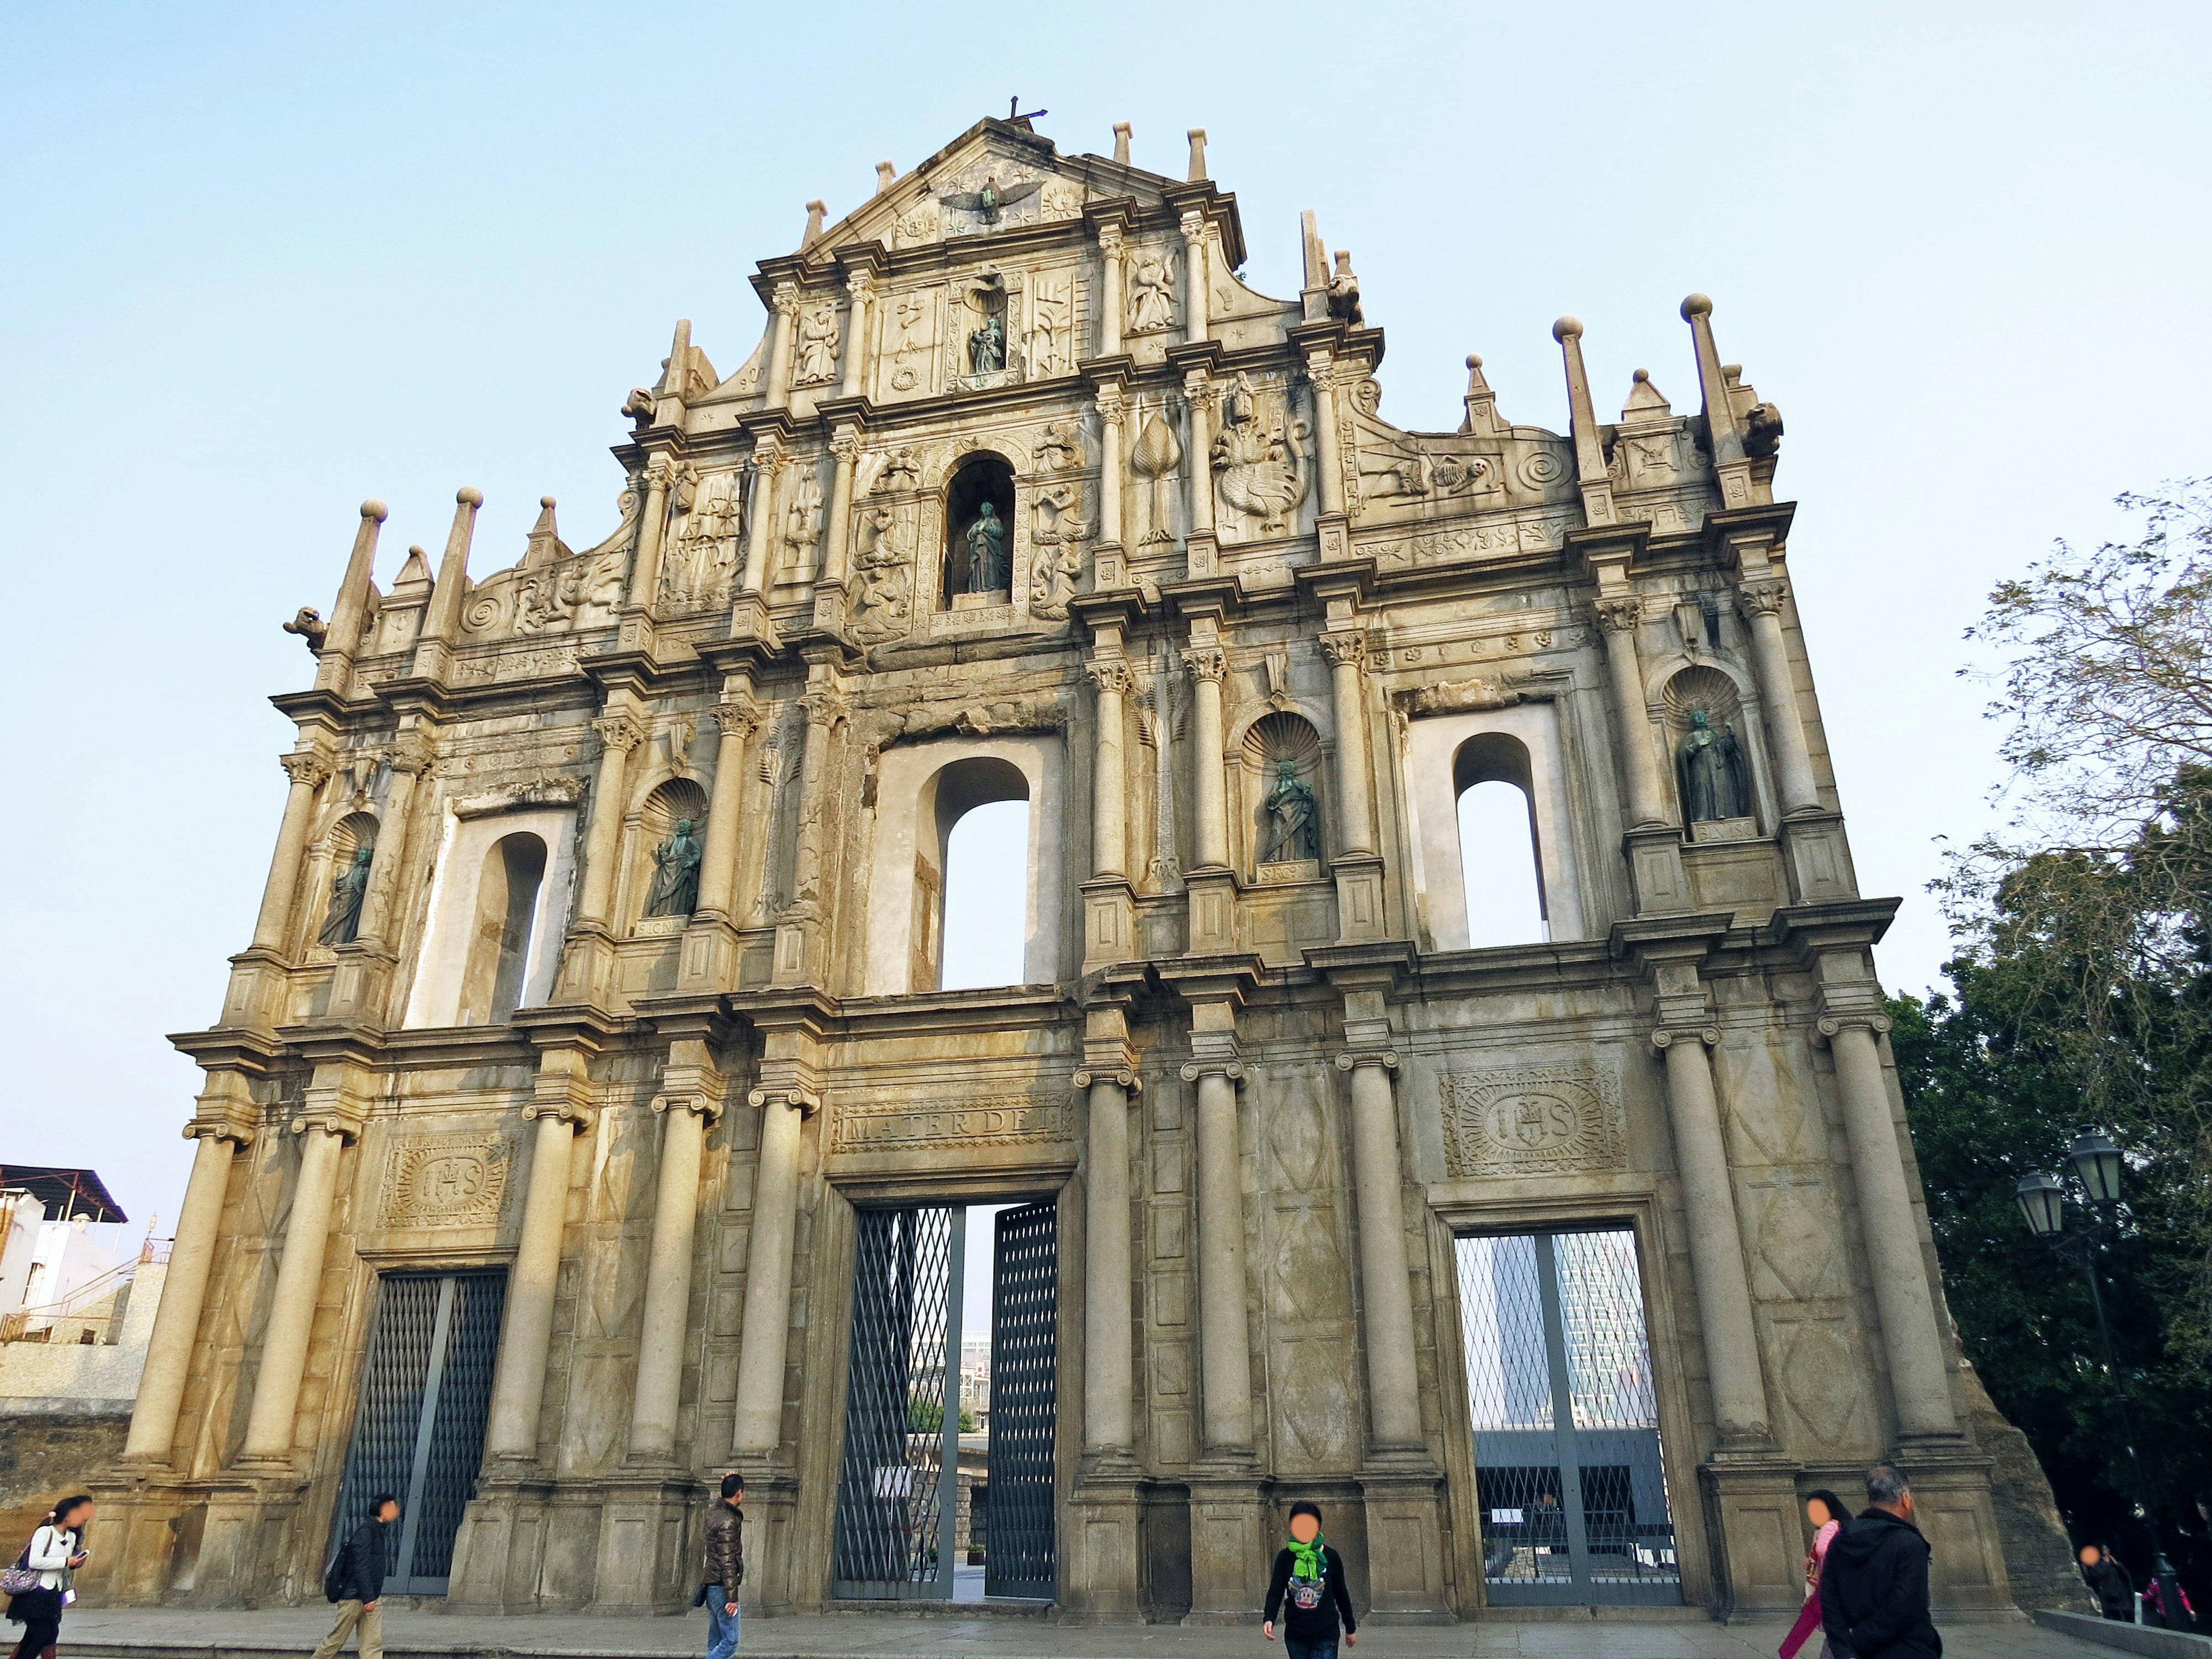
column 874, row 1127
column 444, row 1180
column 1532, row 1120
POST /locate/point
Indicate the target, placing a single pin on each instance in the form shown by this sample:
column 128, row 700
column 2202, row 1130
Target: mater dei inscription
column 597, row 993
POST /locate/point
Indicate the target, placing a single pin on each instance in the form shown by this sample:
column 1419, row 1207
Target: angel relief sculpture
column 1152, row 291
column 1259, row 464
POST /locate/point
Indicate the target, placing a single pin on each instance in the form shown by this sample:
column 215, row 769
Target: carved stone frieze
column 1532, row 1120
column 444, row 1180
column 898, row 1121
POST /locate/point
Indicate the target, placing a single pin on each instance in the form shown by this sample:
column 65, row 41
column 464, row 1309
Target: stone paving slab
column 420, row 1633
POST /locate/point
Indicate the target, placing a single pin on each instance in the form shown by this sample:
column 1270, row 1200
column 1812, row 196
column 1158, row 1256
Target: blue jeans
column 1309, row 1649
column 721, row 1627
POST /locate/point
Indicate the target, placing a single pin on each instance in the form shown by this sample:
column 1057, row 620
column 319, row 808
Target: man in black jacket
column 1874, row 1587
column 355, row 1581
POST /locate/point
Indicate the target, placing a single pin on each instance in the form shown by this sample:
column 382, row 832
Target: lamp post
column 2046, row 1201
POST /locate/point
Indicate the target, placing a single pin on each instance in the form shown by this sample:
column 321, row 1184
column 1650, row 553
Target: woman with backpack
column 38, row 1585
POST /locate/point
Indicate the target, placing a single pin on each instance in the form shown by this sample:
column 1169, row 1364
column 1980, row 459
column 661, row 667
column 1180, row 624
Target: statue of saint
column 1714, row 781
column 343, row 925
column 986, row 346
column 675, row 874
column 1293, row 819
column 988, row 569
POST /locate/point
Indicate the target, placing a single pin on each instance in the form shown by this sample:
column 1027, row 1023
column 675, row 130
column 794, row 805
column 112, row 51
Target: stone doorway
column 419, row 1430
column 914, row 1522
column 1568, row 1473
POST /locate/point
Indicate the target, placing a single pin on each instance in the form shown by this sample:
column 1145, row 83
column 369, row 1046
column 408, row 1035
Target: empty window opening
column 978, row 531
column 1500, row 867
column 499, row 944
column 972, row 877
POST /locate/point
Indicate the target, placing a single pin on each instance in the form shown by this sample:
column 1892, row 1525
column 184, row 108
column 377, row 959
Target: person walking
column 1308, row 1589
column 2109, row 1583
column 55, row 1552
column 1824, row 1513
column 355, row 1581
column 1873, row 1584
column 725, row 1569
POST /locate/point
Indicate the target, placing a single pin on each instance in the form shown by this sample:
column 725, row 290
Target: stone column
column 306, row 768
column 1701, row 1164
column 1206, row 665
column 1320, row 370
column 736, row 718
column 408, row 760
column 1760, row 603
column 561, row 1108
column 1110, row 828
column 1196, row 290
column 1198, row 393
column 767, row 461
column 668, row 1275
column 1111, row 301
column 860, row 287
column 1918, row 1377
column 1393, row 1393
column 184, row 1291
column 1347, row 660
column 645, row 573
column 845, row 445
column 1617, row 618
column 269, row 1426
column 1109, row 1375
column 786, row 303
column 1224, row 1359
column 768, row 1273
column 1108, row 569
column 618, row 735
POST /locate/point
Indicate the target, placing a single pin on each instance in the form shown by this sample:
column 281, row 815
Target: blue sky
column 263, row 262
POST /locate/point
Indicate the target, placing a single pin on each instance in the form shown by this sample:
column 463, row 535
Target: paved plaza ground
column 280, row 1632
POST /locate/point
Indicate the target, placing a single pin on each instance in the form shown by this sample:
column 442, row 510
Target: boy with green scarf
column 1308, row 1589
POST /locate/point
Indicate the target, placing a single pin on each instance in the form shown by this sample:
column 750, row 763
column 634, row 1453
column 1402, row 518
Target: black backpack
column 340, row 1569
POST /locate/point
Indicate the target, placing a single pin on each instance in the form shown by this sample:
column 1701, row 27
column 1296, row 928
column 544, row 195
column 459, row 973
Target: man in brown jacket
column 725, row 1569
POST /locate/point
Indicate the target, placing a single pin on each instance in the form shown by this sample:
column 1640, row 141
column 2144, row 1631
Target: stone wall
column 2039, row 1556
column 45, row 1454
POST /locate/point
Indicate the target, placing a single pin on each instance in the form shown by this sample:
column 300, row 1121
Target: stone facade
column 482, row 1021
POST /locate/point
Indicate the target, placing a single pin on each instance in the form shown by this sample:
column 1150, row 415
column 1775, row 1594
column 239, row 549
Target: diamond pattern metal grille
column 1018, row 1558
column 895, row 1485
column 419, row 1430
column 1568, row 1472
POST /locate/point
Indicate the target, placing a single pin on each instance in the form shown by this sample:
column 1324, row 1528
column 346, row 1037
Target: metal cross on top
column 1014, row 110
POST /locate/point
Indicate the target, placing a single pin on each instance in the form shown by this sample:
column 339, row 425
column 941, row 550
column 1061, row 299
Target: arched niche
column 1702, row 689
column 492, row 980
column 923, row 791
column 1438, row 766
column 338, row 879
column 1272, row 744
column 676, row 800
column 982, row 480
column 474, row 881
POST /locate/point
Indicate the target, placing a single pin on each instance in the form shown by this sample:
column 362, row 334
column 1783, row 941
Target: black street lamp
column 2046, row 1202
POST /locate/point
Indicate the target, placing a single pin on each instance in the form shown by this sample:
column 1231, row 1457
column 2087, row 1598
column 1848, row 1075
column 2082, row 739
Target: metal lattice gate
column 1568, row 1472
column 1018, row 1559
column 897, row 1492
column 418, row 1433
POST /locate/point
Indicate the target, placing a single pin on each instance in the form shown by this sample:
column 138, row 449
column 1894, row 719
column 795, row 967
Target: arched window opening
column 1501, row 868
column 971, row 868
column 352, row 849
column 672, row 837
column 978, row 533
column 499, row 944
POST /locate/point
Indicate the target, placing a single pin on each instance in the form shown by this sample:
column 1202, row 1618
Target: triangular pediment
column 998, row 175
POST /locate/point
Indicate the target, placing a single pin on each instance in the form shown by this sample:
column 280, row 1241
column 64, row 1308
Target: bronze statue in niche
column 1293, row 819
column 1714, row 781
column 342, row 924
column 675, row 873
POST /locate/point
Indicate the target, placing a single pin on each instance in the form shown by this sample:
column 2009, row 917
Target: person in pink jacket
column 1825, row 1514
